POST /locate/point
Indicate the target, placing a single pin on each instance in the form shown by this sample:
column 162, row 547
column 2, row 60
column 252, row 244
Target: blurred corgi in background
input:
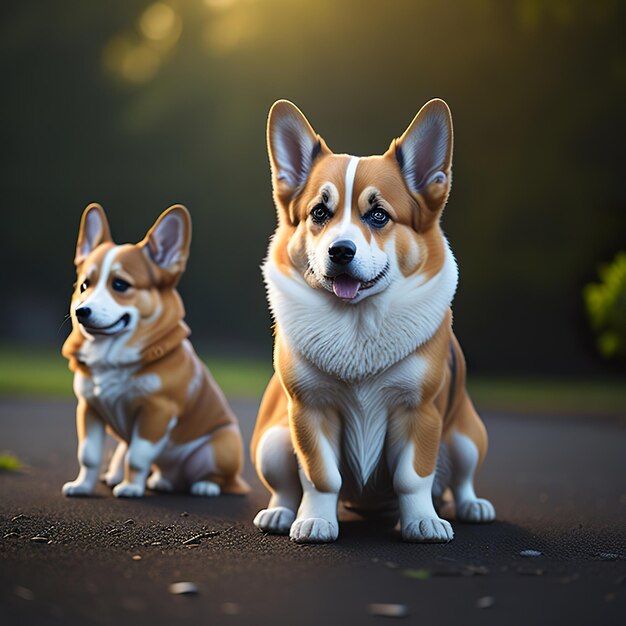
column 136, row 374
column 368, row 403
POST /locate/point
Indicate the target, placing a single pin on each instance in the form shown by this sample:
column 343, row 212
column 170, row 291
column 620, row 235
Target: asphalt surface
column 557, row 485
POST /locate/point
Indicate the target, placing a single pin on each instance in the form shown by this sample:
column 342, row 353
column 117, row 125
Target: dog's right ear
column 93, row 230
column 167, row 242
column 293, row 146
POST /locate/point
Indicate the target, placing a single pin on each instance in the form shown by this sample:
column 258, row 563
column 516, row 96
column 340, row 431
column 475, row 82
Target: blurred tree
column 141, row 103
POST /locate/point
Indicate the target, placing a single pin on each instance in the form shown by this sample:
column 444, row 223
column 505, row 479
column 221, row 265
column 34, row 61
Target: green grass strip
column 40, row 373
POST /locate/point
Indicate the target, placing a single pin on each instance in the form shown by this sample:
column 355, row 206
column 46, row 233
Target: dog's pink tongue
column 346, row 287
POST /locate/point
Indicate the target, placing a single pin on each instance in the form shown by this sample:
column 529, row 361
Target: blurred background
column 139, row 104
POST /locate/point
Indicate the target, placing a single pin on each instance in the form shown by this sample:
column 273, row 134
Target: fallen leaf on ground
column 419, row 574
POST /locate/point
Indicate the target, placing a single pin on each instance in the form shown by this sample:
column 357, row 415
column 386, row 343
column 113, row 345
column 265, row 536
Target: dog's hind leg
column 215, row 467
column 467, row 445
column 157, row 482
column 278, row 469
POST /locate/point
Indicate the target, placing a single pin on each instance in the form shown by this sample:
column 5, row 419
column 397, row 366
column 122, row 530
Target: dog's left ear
column 293, row 147
column 424, row 153
column 167, row 242
column 93, row 230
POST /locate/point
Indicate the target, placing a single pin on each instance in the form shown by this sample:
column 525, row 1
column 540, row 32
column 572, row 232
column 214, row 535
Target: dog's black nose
column 342, row 252
column 83, row 312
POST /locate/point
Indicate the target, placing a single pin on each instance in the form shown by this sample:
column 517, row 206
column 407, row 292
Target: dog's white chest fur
column 364, row 410
column 112, row 391
column 364, row 421
column 356, row 342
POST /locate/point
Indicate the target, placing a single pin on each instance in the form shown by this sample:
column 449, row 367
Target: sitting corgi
column 369, row 390
column 136, row 373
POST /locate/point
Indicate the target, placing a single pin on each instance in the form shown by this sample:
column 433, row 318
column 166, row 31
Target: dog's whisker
column 67, row 317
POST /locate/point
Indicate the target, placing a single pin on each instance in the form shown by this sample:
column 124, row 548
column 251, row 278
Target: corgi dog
column 136, row 374
column 368, row 401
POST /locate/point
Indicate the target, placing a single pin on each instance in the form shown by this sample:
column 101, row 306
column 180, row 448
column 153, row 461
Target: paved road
column 557, row 484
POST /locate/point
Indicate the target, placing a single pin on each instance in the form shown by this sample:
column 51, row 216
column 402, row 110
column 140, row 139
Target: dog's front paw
column 314, row 530
column 77, row 488
column 428, row 530
column 205, row 488
column 475, row 511
column 128, row 490
column 276, row 521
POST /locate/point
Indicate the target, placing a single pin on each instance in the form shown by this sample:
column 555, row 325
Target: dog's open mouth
column 348, row 287
column 108, row 330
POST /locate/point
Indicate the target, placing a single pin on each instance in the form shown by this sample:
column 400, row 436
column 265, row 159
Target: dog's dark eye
column 377, row 217
column 84, row 285
column 320, row 213
column 120, row 285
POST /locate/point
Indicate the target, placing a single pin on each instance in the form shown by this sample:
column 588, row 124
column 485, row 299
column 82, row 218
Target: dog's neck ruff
column 104, row 353
column 354, row 342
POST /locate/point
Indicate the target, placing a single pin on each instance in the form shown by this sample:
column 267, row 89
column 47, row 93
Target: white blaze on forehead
column 347, row 210
column 369, row 259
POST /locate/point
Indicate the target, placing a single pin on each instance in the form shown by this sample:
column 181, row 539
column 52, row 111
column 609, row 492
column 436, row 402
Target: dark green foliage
column 606, row 307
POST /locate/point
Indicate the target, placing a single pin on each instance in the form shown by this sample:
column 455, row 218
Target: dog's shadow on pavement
column 379, row 538
column 233, row 507
column 472, row 543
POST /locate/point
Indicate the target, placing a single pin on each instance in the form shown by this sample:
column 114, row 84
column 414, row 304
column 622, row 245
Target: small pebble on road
column 23, row 592
column 230, row 608
column 183, row 588
column 486, row 602
column 530, row 553
column 388, row 610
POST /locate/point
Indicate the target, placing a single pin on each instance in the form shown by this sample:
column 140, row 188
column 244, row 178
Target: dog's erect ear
column 293, row 146
column 167, row 242
column 93, row 230
column 424, row 151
